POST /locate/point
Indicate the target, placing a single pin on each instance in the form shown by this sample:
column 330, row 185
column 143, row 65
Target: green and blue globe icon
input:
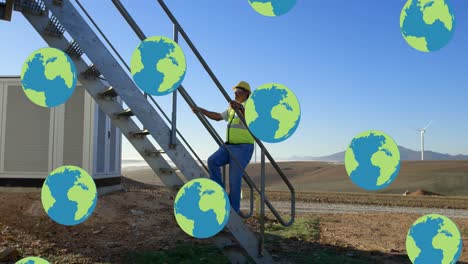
column 272, row 113
column 32, row 260
column 158, row 65
column 201, row 208
column 69, row 195
column 372, row 160
column 272, row 8
column 48, row 77
column 427, row 25
column 434, row 239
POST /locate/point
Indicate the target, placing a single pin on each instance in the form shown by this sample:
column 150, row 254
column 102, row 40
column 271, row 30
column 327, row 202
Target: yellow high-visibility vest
column 236, row 132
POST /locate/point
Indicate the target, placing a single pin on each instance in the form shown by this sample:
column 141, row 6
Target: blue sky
column 346, row 61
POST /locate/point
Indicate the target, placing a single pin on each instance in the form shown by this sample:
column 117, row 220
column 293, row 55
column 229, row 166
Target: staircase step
column 58, row 2
column 156, row 153
column 139, row 134
column 108, row 93
column 126, row 113
column 234, row 247
column 91, row 72
column 165, row 170
column 231, row 247
column 31, row 7
column 54, row 28
column 74, row 50
column 230, row 243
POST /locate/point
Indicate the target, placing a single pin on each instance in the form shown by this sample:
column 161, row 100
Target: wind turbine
column 422, row 131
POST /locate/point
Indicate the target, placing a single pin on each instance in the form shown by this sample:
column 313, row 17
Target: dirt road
column 302, row 207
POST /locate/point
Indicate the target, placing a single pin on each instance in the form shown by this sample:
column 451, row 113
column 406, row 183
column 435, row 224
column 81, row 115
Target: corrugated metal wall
column 27, row 129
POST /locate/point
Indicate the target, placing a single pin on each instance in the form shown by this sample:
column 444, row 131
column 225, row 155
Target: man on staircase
column 238, row 140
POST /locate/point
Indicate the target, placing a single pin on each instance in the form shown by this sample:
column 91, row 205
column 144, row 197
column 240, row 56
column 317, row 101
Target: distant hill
column 405, row 154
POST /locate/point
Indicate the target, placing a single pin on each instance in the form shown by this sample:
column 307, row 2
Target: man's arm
column 211, row 115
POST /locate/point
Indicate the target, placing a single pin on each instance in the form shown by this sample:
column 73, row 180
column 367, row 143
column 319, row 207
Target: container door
column 114, row 139
column 108, row 147
column 102, row 143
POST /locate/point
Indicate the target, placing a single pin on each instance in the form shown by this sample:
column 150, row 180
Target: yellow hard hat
column 243, row 85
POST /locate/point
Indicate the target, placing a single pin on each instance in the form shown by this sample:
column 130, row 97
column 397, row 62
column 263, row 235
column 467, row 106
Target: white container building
column 35, row 140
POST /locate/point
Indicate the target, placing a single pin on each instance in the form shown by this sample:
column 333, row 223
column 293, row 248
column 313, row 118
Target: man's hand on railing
column 237, row 106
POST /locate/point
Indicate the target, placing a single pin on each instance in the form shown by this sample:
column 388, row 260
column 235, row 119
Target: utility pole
column 255, row 152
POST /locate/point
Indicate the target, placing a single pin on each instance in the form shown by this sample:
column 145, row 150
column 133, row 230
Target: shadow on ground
column 294, row 250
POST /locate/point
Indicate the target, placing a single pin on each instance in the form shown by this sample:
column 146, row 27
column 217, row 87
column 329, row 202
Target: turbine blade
column 427, row 125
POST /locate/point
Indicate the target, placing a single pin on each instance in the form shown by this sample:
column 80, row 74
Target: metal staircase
column 106, row 79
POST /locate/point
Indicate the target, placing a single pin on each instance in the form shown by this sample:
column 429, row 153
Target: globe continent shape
column 201, row 208
column 48, row 77
column 435, row 239
column 158, row 65
column 272, row 8
column 32, row 260
column 69, row 195
column 272, row 113
column 427, row 25
column 372, row 160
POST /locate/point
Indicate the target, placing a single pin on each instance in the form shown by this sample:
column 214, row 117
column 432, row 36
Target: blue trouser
column 243, row 154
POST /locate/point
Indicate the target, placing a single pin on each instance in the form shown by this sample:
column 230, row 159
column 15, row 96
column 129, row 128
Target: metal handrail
column 208, row 126
column 191, row 103
column 204, row 121
column 187, row 98
column 246, row 177
column 227, row 97
column 220, row 143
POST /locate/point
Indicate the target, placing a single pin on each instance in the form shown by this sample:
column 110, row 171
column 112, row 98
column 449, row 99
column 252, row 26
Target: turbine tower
column 422, row 131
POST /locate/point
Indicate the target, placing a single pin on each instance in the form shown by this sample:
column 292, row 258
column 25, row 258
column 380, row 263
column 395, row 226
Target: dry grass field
column 444, row 177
